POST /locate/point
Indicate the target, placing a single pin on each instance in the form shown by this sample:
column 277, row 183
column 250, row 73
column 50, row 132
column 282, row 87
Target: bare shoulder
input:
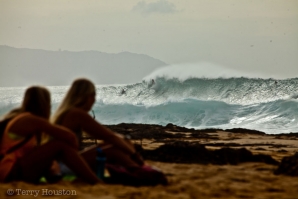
column 28, row 122
column 30, row 119
column 76, row 112
column 76, row 117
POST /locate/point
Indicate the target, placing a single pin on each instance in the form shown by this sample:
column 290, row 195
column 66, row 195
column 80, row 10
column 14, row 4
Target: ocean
column 268, row 105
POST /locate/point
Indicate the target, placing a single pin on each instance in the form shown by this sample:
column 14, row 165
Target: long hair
column 37, row 100
column 76, row 97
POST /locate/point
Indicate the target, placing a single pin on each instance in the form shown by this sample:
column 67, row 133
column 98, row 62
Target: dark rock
column 191, row 152
column 286, row 135
column 153, row 131
column 282, row 151
column 260, row 149
column 288, row 166
column 245, row 131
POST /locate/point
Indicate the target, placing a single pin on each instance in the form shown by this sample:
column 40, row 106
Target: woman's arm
column 32, row 124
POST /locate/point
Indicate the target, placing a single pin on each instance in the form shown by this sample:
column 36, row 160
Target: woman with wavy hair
column 73, row 113
column 22, row 155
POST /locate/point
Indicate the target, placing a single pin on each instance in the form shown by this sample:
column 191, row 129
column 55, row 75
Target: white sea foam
column 264, row 104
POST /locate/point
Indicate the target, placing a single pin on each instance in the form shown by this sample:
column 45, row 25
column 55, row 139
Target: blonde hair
column 76, row 97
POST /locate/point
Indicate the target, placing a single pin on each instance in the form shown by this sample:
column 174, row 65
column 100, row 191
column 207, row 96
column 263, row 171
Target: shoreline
column 151, row 136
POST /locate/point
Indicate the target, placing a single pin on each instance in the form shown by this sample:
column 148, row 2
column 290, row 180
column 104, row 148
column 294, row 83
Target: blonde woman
column 73, row 113
column 22, row 156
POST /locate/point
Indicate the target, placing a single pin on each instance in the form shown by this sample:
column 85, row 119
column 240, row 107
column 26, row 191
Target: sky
column 250, row 36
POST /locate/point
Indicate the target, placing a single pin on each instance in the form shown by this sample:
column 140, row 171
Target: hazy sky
column 248, row 35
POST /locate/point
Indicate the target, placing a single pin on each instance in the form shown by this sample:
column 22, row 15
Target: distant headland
column 23, row 67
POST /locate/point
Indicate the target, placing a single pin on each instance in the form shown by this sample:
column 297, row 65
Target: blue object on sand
column 100, row 163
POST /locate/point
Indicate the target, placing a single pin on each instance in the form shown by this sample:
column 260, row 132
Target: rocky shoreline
column 177, row 144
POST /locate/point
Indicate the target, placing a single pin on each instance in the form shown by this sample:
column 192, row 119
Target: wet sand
column 210, row 163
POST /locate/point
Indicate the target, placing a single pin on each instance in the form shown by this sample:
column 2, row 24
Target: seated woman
column 73, row 114
column 23, row 158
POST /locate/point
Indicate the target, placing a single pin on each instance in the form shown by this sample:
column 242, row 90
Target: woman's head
column 37, row 101
column 80, row 95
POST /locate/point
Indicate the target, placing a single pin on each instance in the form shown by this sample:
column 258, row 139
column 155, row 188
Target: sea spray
column 242, row 91
column 269, row 105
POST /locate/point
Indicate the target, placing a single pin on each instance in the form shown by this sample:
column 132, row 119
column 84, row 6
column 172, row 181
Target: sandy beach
column 210, row 163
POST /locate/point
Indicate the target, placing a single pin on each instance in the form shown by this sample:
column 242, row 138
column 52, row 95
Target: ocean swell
column 267, row 105
column 242, row 91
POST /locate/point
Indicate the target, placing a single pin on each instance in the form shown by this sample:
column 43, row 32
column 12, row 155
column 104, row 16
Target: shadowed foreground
column 210, row 163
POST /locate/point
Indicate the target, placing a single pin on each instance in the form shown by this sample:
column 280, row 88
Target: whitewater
column 268, row 105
